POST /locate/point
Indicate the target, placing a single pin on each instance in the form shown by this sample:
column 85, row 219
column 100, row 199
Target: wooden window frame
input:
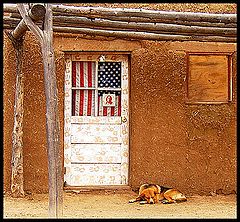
column 229, row 56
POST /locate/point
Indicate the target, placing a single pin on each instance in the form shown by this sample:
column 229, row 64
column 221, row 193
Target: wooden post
column 55, row 180
column 54, row 159
column 17, row 135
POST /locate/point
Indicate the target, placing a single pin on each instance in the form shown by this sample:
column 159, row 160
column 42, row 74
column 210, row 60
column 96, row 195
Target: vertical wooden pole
column 17, row 135
column 55, row 177
column 52, row 120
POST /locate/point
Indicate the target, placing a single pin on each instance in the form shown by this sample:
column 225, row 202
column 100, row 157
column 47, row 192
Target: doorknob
column 124, row 119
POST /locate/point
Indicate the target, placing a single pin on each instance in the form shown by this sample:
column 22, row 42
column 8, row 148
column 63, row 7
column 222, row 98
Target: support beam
column 36, row 13
column 145, row 13
column 55, row 176
column 136, row 14
column 151, row 20
column 10, row 8
column 151, row 31
column 147, row 20
column 140, row 26
column 143, row 35
column 53, row 129
column 74, row 21
column 10, row 23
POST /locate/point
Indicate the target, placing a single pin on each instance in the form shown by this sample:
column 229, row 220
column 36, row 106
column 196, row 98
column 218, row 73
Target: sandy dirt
column 115, row 205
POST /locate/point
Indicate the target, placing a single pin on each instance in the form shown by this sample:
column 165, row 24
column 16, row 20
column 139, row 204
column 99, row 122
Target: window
column 96, row 88
column 209, row 77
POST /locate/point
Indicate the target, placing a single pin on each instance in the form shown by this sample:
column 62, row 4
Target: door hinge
column 64, row 170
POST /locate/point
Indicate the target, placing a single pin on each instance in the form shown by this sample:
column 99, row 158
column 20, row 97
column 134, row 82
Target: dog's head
column 149, row 195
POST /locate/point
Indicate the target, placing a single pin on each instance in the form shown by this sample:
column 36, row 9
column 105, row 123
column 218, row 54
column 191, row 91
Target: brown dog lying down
column 153, row 193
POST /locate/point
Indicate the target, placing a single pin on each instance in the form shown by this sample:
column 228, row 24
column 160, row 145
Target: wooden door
column 96, row 131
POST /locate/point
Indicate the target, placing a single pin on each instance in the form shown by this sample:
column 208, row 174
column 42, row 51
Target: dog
column 148, row 193
column 153, row 193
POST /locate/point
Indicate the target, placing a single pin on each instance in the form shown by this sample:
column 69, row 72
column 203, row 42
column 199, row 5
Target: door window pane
column 109, row 103
column 83, row 102
column 83, row 92
column 83, row 74
column 109, row 74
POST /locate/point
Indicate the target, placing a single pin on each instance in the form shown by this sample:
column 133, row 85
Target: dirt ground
column 112, row 204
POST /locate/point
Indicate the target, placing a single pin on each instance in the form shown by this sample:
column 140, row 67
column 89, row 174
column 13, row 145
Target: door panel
column 92, row 174
column 95, row 133
column 102, row 153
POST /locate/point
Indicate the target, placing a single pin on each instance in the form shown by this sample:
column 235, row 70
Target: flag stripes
column 84, row 76
column 109, row 111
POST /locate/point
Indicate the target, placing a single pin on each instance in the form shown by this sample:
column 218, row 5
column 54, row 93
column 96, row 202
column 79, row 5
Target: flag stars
column 111, row 76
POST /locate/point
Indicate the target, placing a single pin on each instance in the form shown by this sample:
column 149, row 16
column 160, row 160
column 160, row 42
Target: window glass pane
column 109, row 103
column 83, row 102
column 109, row 74
column 83, row 74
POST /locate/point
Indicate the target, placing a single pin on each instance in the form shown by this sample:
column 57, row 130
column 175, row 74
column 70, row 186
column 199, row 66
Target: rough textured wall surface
column 173, row 143
column 192, row 147
column 34, row 138
column 34, row 126
column 9, row 73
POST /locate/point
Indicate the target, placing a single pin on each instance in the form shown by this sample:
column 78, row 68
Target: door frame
column 91, row 56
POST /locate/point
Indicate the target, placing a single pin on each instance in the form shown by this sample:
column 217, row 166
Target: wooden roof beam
column 10, row 8
column 36, row 13
column 97, row 12
column 145, row 13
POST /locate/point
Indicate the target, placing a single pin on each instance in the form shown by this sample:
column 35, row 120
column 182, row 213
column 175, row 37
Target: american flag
column 109, row 75
column 83, row 101
column 84, row 75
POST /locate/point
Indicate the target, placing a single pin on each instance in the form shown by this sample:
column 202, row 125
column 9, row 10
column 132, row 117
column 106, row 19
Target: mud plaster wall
column 34, row 138
column 192, row 147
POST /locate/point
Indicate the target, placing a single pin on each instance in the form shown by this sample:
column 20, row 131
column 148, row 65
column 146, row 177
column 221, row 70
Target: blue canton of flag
column 109, row 76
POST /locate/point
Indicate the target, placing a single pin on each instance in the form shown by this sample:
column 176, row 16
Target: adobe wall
column 192, row 147
column 34, row 138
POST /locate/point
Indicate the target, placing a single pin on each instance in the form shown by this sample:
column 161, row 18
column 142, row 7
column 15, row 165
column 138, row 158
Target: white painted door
column 96, row 131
